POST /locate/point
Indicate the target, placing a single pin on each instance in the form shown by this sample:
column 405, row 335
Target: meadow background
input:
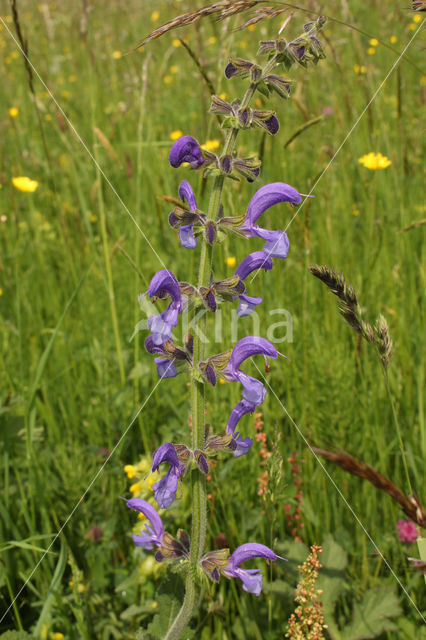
column 73, row 263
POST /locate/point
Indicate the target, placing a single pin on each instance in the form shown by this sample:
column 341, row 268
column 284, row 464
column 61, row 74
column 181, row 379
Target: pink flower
column 407, row 531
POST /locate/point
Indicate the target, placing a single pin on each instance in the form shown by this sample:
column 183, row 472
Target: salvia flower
column 254, row 391
column 163, row 285
column 277, row 244
column 152, row 534
column 252, row 579
column 165, row 489
column 254, row 261
column 187, row 149
column 169, row 356
column 242, row 445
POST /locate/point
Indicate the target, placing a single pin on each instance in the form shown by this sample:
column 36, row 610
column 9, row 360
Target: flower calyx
column 243, row 117
column 302, row 50
column 174, row 548
column 213, row 561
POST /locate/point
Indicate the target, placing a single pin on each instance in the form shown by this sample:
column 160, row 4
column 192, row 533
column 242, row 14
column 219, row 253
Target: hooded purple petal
column 151, row 534
column 165, row 453
column 165, row 368
column 255, row 260
column 247, row 347
column 248, row 551
column 186, row 193
column 263, row 199
column 186, row 237
column 186, row 149
column 164, row 284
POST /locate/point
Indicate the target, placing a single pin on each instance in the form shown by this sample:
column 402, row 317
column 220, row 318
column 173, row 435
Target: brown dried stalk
column 411, row 505
column 225, row 9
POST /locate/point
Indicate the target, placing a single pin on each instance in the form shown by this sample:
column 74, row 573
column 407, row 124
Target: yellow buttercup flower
column 167, row 79
column 135, row 488
column 360, row 69
column 211, row 145
column 374, row 42
column 374, row 161
column 231, row 261
column 211, row 40
column 130, row 470
column 116, row 55
column 174, row 68
column 393, row 39
column 155, row 16
column 371, row 51
column 1, row 292
column 175, row 135
column 24, row 184
column 176, row 42
column 57, row 636
column 141, row 516
column 417, row 18
column 13, row 112
column 223, row 95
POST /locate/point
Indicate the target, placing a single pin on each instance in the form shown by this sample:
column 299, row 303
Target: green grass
column 71, row 380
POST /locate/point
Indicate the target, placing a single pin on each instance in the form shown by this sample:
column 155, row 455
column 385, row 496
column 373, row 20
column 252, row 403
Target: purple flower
column 254, row 391
column 165, row 368
column 153, row 533
column 255, row 260
column 277, row 243
column 251, row 578
column 186, row 149
column 162, row 285
column 240, row 410
column 186, row 233
column 165, row 489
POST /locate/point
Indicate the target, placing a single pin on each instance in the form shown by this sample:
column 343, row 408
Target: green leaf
column 372, row 615
column 16, row 635
column 53, row 589
column 170, row 598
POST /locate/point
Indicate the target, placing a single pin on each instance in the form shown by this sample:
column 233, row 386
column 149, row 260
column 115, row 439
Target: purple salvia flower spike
column 186, row 149
column 252, row 579
column 165, row 489
column 153, row 534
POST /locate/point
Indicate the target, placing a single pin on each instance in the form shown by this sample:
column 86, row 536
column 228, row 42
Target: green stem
column 398, row 429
